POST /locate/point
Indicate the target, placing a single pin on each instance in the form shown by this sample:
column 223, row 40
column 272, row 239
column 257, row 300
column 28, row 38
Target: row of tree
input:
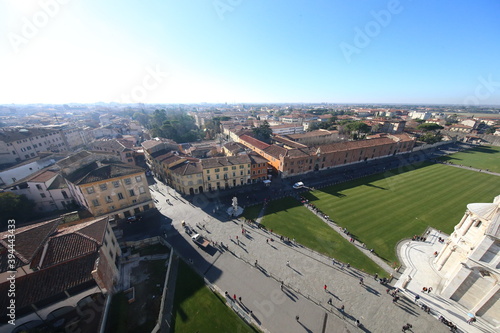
column 174, row 125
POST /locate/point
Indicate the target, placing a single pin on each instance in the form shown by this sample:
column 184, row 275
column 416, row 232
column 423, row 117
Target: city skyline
column 384, row 52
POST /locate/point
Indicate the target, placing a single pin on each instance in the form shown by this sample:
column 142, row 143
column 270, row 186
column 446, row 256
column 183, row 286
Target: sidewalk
column 418, row 258
column 304, row 279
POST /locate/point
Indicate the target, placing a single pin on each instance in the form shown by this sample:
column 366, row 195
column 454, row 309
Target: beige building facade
column 111, row 189
column 226, row 172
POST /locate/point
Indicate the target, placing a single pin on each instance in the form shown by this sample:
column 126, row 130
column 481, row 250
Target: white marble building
column 470, row 262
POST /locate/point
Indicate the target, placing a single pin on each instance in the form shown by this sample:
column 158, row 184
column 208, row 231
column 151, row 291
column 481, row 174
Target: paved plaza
column 418, row 257
column 304, row 274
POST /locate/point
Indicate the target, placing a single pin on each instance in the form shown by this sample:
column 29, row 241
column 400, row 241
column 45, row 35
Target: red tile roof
column 254, row 142
column 49, row 282
column 344, row 146
column 63, row 248
column 30, row 239
column 43, row 177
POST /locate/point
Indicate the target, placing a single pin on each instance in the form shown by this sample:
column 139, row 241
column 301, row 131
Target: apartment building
column 119, row 147
column 17, row 145
column 110, row 189
column 226, row 172
column 187, row 177
column 258, row 168
column 46, row 188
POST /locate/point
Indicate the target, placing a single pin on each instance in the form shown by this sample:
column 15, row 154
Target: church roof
column 483, row 210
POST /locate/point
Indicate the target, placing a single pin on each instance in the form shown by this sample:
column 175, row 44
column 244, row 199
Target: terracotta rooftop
column 275, row 151
column 288, row 142
column 215, row 162
column 30, row 239
column 313, row 134
column 94, row 173
column 49, row 282
column 62, row 248
column 73, row 158
column 344, row 146
column 112, row 144
column 43, row 176
column 187, row 168
column 254, row 142
column 234, row 146
column 255, row 159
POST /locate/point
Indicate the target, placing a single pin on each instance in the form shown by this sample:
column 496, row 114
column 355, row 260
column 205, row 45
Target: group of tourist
column 419, row 238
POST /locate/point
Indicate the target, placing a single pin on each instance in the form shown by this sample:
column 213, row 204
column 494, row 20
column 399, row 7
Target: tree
column 15, row 207
column 263, row 132
column 431, row 137
column 356, row 128
column 429, row 127
column 177, row 126
column 142, row 117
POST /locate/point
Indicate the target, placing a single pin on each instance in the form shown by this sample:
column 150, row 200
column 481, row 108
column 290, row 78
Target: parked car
column 134, row 218
column 298, row 185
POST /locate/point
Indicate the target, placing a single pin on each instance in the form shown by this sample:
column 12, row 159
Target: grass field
column 382, row 209
column 198, row 309
column 291, row 219
column 251, row 213
column 483, row 157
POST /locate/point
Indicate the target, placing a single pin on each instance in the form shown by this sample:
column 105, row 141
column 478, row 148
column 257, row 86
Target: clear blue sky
column 250, row 51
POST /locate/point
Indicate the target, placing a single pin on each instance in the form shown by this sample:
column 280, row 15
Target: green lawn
column 382, row 209
column 291, row 219
column 251, row 213
column 198, row 309
column 483, row 157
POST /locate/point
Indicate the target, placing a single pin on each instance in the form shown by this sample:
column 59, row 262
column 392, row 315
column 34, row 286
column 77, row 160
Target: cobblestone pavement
column 234, row 270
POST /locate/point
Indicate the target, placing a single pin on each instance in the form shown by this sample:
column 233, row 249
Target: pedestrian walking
column 348, row 265
column 361, row 281
column 239, row 299
column 429, row 289
column 417, row 298
column 325, row 287
column 329, row 301
column 256, row 263
column 297, row 318
column 342, row 308
column 376, row 276
column 234, row 297
column 288, row 263
column 281, row 285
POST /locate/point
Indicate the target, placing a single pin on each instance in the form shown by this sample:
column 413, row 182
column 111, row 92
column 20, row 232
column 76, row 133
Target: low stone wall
column 143, row 242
